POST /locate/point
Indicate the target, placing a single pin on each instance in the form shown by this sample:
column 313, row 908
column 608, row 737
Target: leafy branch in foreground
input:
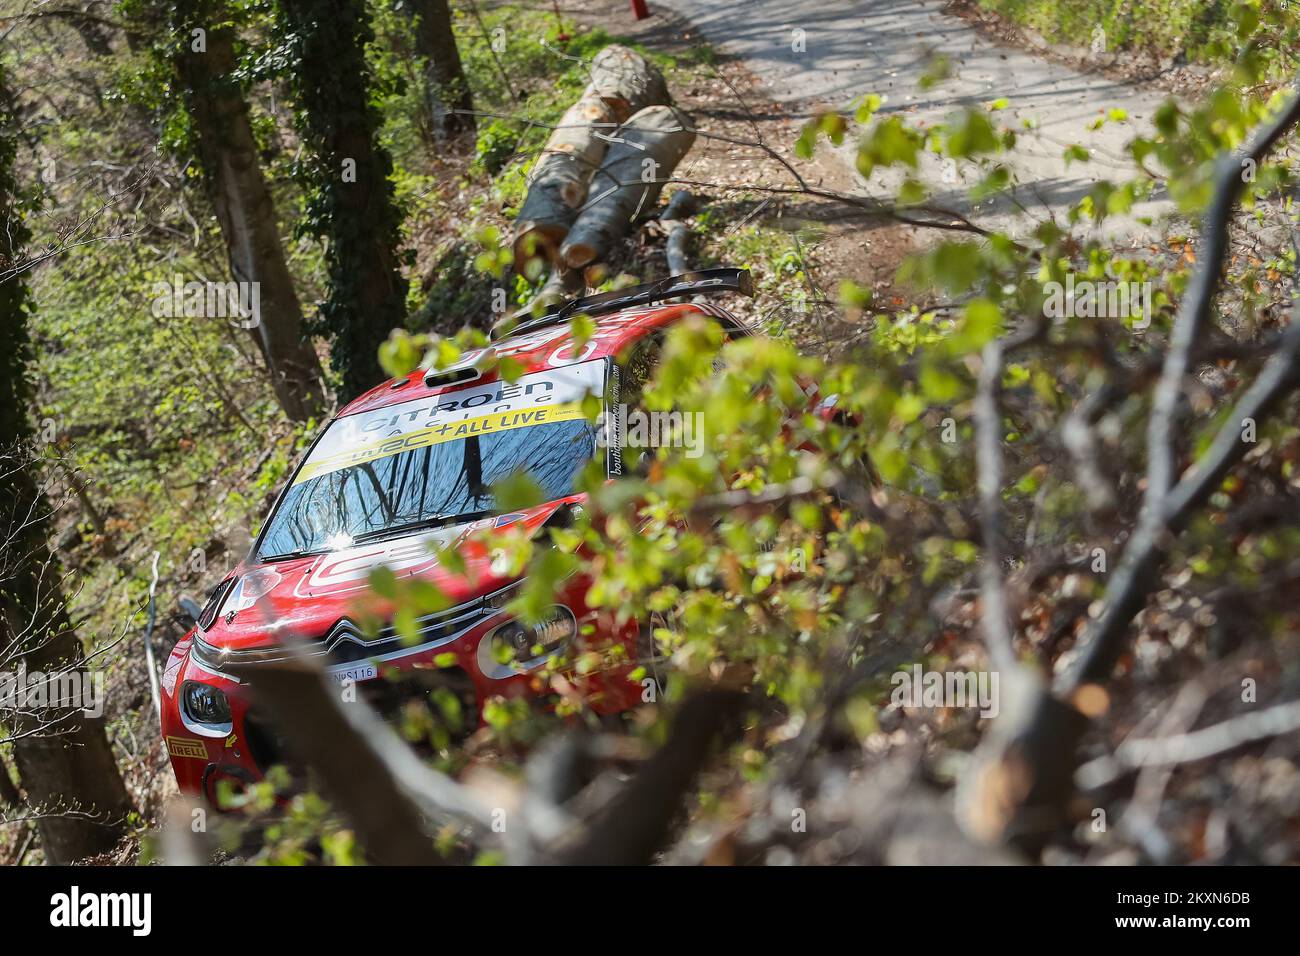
column 930, row 516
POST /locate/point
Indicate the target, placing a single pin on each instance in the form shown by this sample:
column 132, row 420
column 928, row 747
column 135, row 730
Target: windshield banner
column 554, row 395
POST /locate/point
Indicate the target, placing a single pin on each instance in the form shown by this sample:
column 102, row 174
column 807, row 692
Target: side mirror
column 189, row 612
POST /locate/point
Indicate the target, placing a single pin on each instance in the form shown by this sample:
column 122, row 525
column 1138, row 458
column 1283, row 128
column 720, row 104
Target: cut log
column 627, row 81
column 558, row 183
column 646, row 150
column 673, row 220
column 560, row 285
column 622, row 83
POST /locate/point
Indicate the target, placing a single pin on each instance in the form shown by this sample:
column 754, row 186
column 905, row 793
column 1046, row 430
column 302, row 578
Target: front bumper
column 243, row 749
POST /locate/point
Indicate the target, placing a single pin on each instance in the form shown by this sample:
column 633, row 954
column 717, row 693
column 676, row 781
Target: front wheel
column 653, row 652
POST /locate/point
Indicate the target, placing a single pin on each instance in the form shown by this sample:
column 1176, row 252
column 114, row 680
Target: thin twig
column 988, row 437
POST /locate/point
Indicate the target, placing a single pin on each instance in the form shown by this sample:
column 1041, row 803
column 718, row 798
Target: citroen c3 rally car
column 399, row 474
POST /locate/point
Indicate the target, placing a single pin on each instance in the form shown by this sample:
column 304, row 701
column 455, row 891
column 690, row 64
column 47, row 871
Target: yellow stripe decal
column 437, row 434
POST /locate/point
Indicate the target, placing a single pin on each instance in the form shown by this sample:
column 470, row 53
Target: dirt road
column 813, row 54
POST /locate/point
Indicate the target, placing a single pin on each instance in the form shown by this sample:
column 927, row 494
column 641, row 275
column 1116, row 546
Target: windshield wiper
column 436, row 521
column 291, row 555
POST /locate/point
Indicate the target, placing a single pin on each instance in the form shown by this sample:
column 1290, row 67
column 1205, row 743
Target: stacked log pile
column 622, row 83
column 602, row 168
column 646, row 150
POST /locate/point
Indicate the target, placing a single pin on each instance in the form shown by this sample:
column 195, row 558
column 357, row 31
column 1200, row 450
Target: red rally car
column 400, row 473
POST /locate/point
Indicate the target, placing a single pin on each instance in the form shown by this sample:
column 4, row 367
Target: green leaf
column 909, row 407
column 401, row 354
column 517, row 492
column 981, row 323
column 833, row 125
column 581, row 329
column 911, row 192
column 890, row 142
column 938, row 69
column 854, row 296
column 997, row 180
column 384, row 582
column 972, row 136
column 867, row 108
column 1075, row 154
column 444, row 354
column 510, row 368
column 938, row 384
column 805, row 145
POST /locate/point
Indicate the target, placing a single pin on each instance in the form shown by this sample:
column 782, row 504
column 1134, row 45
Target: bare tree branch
column 389, row 795
column 988, row 436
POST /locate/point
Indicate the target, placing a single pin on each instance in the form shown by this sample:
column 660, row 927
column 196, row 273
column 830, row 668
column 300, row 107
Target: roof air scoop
column 437, row 378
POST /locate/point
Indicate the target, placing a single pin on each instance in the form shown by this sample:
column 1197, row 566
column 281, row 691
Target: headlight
column 525, row 642
column 204, row 704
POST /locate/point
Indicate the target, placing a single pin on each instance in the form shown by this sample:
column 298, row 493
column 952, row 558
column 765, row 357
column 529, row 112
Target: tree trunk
column 9, row 795
column 243, row 206
column 622, row 83
column 63, row 756
column 367, row 291
column 445, row 84
column 78, row 487
column 646, row 150
column 71, row 780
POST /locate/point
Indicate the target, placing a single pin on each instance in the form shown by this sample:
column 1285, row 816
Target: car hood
column 269, row 603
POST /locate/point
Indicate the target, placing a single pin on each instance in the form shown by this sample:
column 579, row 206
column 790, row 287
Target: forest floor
column 741, row 169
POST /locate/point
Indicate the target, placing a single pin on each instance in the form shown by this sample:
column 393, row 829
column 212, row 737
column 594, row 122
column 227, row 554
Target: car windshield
column 407, row 468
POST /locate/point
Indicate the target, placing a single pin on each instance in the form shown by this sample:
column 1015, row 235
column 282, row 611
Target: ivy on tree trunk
column 352, row 204
column 73, row 786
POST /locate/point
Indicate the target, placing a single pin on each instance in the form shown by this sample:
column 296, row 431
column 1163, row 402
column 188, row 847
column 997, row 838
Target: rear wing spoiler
column 699, row 282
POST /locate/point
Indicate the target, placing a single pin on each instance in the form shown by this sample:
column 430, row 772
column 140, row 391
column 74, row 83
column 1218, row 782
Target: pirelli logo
column 186, row 747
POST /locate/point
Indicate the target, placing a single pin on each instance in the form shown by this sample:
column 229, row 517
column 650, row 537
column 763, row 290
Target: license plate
column 355, row 674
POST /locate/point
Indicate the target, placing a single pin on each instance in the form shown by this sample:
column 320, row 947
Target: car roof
column 539, row 349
